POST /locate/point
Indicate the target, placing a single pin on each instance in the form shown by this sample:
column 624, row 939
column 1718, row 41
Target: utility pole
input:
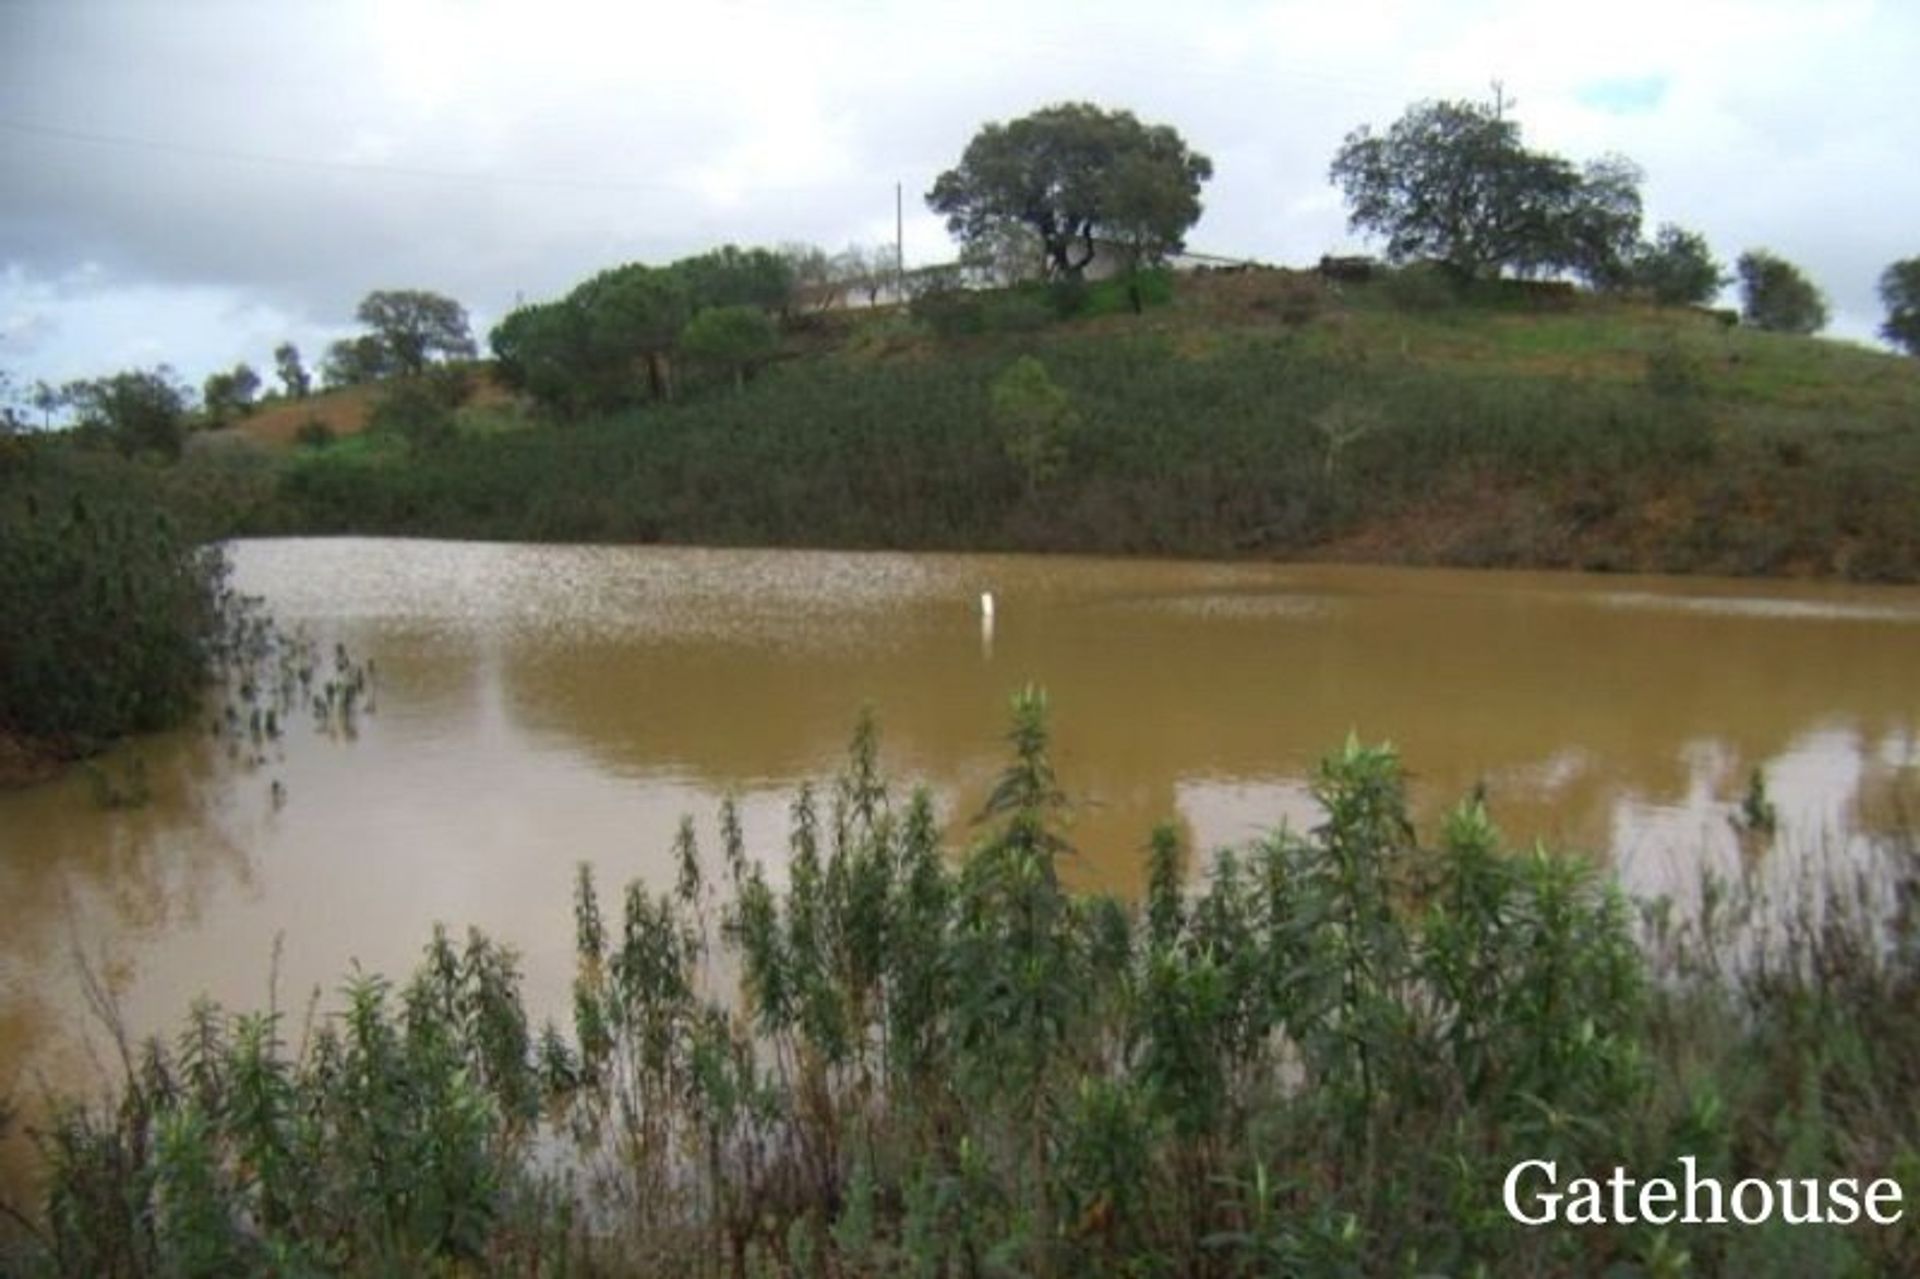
column 899, row 246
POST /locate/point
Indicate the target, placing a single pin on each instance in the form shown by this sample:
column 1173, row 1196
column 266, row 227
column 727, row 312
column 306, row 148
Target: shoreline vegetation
column 1242, row 413
column 1323, row 1056
column 1367, row 414
column 1262, row 413
column 122, row 620
column 115, row 620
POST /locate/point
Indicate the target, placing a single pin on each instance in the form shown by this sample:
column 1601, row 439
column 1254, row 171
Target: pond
column 534, row 707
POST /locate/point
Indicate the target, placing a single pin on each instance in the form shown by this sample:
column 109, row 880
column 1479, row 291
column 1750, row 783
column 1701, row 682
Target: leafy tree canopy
column 734, row 338
column 586, row 351
column 1599, row 228
column 1775, row 296
column 1074, row 174
column 357, row 361
column 593, row 350
column 292, row 373
column 1450, row 181
column 139, row 411
column 732, row 276
column 633, row 309
column 229, row 395
column 1007, row 254
column 1900, row 292
column 1677, row 268
column 415, row 326
column 540, row 350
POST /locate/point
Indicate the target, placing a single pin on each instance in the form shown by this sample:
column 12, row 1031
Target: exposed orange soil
column 344, row 412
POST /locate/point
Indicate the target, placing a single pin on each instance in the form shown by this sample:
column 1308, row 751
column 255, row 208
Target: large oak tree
column 415, row 326
column 1075, row 175
column 1451, row 182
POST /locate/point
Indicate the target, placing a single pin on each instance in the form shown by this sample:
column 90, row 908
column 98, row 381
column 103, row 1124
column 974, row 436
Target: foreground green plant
column 1321, row 1059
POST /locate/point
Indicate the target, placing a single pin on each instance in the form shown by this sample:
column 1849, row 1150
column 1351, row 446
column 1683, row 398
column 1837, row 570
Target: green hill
column 1262, row 412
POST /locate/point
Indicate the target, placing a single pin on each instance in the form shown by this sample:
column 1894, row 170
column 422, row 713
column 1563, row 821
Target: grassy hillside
column 1260, row 413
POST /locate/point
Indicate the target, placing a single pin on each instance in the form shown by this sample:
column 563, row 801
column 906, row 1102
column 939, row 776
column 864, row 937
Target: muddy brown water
column 539, row 706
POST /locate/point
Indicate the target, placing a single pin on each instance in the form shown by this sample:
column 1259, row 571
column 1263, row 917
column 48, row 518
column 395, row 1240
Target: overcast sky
column 194, row 182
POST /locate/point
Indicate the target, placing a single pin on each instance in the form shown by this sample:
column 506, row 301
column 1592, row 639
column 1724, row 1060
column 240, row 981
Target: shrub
column 137, row 412
column 1034, row 417
column 1130, row 292
column 420, row 408
column 1016, row 311
column 1422, row 287
column 1677, row 268
column 110, row 615
column 1775, row 296
column 946, row 307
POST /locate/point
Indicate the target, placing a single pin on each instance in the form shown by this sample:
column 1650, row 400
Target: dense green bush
column 730, row 340
column 420, row 407
column 610, row 342
column 111, row 612
column 138, row 412
column 946, row 308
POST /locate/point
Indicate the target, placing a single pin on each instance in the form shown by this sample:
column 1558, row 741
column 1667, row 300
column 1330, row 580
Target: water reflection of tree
column 105, row 880
column 151, row 866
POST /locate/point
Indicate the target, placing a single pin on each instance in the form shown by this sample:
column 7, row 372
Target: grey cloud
column 302, row 154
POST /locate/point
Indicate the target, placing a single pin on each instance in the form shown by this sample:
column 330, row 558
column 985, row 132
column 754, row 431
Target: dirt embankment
column 277, row 423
